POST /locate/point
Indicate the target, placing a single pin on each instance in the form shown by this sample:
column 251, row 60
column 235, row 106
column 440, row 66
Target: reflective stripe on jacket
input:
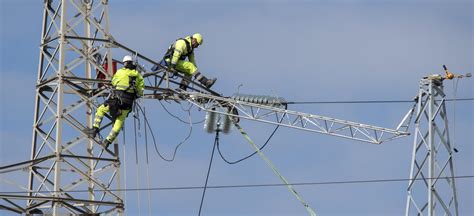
column 181, row 51
column 124, row 77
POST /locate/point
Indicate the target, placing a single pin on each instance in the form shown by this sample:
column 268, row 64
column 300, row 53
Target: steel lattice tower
column 74, row 41
column 70, row 173
column 434, row 193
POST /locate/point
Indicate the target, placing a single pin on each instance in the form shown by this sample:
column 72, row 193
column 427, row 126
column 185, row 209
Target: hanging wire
column 154, row 139
column 124, row 167
column 176, row 117
column 216, row 140
column 147, row 165
column 136, row 117
column 171, row 114
column 186, row 109
column 137, row 163
column 248, row 156
column 152, row 135
column 261, row 148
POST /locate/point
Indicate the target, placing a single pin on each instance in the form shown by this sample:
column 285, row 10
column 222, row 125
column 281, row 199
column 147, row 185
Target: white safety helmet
column 198, row 38
column 127, row 58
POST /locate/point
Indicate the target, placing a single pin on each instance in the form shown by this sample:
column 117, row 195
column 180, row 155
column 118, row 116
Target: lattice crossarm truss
column 294, row 119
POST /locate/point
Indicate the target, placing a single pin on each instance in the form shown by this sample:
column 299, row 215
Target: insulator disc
column 227, row 125
column 260, row 99
column 210, row 123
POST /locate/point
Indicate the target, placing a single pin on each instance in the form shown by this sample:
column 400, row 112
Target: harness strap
column 170, row 52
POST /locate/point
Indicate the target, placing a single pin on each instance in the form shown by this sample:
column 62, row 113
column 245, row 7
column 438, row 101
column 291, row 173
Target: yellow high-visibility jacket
column 124, row 77
column 181, row 51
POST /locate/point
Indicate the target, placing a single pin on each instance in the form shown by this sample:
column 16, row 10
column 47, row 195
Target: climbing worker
column 127, row 85
column 175, row 57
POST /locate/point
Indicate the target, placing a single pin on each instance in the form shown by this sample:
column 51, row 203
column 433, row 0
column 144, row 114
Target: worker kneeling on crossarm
column 128, row 85
column 175, row 60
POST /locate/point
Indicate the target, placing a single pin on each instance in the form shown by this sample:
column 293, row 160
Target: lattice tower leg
column 432, row 188
column 74, row 44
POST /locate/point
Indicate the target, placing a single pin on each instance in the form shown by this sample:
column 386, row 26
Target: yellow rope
column 272, row 166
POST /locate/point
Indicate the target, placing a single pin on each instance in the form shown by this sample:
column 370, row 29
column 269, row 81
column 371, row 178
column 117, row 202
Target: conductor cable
column 178, row 118
column 154, row 139
column 135, row 137
column 248, row 156
column 216, row 140
column 147, row 166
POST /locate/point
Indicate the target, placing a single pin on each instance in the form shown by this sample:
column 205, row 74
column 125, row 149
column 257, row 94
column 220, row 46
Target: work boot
column 204, row 81
column 106, row 143
column 91, row 132
column 209, row 82
column 184, row 84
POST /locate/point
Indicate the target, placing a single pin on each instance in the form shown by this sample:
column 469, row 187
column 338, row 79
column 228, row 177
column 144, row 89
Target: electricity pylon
column 74, row 45
column 432, row 157
column 70, row 173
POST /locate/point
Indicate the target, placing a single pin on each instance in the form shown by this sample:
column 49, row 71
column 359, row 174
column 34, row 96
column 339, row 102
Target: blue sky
column 300, row 50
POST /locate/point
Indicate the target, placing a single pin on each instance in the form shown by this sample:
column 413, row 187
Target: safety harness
column 170, row 52
column 122, row 99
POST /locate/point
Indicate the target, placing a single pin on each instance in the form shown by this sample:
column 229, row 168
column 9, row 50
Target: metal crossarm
column 294, row 119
